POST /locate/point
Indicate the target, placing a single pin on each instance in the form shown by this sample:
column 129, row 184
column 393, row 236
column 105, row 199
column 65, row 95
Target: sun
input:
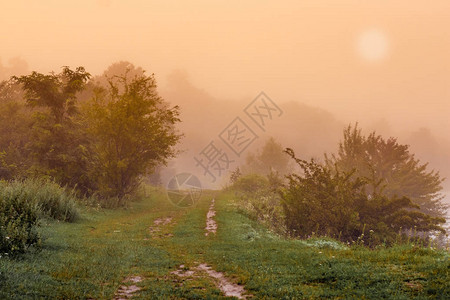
column 372, row 45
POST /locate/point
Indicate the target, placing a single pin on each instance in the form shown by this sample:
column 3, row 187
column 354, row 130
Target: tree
column 392, row 165
column 15, row 124
column 335, row 203
column 56, row 92
column 131, row 131
column 118, row 69
column 11, row 91
column 270, row 159
column 56, row 134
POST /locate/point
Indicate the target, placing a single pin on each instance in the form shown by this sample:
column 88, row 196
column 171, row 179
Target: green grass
column 91, row 257
column 273, row 267
column 50, row 199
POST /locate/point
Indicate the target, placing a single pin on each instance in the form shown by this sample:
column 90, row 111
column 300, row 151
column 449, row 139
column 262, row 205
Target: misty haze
column 212, row 149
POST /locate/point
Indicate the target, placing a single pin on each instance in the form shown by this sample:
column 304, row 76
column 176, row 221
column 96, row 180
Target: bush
column 22, row 203
column 251, row 184
column 49, row 199
column 323, row 202
column 259, row 198
column 18, row 221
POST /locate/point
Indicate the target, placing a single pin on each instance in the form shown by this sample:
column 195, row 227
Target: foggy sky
column 302, row 51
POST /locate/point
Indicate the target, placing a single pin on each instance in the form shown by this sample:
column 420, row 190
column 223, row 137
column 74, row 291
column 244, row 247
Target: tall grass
column 50, row 199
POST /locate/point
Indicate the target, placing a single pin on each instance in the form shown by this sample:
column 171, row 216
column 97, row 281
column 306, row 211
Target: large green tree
column 390, row 164
column 131, row 131
column 56, row 135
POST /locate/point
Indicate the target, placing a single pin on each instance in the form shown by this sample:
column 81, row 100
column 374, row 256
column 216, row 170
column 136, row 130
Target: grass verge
column 92, row 257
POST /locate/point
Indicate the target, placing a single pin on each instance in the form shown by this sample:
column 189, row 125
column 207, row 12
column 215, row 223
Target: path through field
column 155, row 250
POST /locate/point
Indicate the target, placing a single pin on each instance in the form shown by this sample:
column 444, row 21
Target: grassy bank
column 91, row 257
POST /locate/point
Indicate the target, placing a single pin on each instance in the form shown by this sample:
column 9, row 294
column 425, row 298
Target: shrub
column 49, row 199
column 321, row 202
column 18, row 221
column 258, row 197
column 251, row 184
column 22, row 203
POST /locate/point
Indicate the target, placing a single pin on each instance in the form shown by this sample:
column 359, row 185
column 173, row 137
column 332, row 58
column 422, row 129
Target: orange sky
column 293, row 50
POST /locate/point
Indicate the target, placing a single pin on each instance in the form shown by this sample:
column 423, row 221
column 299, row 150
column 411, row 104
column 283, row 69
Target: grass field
column 90, row 259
